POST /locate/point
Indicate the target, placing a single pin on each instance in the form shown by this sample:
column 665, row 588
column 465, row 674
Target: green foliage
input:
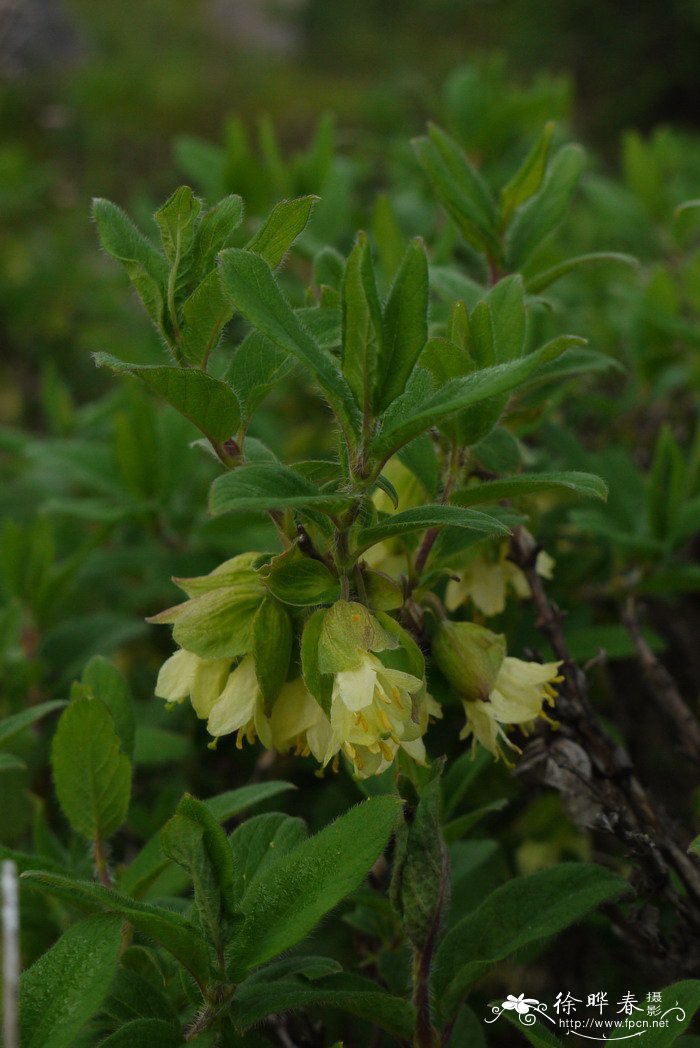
column 522, row 911
column 64, row 988
column 91, row 772
column 287, row 900
column 377, row 417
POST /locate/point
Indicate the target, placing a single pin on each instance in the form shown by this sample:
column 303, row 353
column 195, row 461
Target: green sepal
column 272, row 649
column 349, row 630
column 297, row 579
column 383, row 593
column 319, row 684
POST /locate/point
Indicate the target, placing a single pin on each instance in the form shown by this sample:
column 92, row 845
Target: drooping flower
column 486, row 579
column 185, row 675
column 496, row 689
column 374, row 707
column 240, row 707
column 374, row 710
column 298, row 722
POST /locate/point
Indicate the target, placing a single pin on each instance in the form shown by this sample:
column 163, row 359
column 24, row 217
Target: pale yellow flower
column 485, row 581
column 240, row 707
column 185, row 675
column 374, row 710
column 298, row 722
column 517, row 697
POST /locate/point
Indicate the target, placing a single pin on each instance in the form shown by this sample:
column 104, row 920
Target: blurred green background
column 93, row 95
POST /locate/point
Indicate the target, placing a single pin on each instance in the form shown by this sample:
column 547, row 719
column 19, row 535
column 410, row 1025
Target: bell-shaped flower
column 374, row 710
column 486, row 580
column 185, row 675
column 374, row 707
column 240, row 707
column 298, row 722
column 496, row 689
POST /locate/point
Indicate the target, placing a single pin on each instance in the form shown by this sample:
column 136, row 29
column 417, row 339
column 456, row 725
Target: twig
column 10, row 955
column 664, row 690
column 590, row 769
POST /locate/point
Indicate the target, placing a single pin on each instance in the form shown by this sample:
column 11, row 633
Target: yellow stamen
column 386, row 723
column 239, row 739
column 387, row 753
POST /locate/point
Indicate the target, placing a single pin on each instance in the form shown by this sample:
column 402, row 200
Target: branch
column 663, row 688
column 597, row 781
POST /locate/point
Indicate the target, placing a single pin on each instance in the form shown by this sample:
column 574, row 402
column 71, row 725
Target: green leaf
column 146, row 268
column 214, row 233
column 575, row 362
column 508, row 318
column 150, row 861
column 248, row 280
column 91, row 773
column 405, row 325
column 260, row 842
column 145, row 1033
column 11, row 726
column 265, row 486
column 109, row 686
column 461, row 393
column 528, row 178
column 460, row 189
column 176, row 221
column 176, row 934
column 194, row 840
column 538, row 1034
column 64, row 988
column 203, row 317
column 257, row 997
column 258, row 365
column 210, row 404
column 680, row 1001
column 540, row 216
column 300, row 580
column 538, row 282
column 425, row 517
column 288, row 900
column 585, row 484
column 286, row 222
column 225, row 805
column 383, row 592
column 272, row 648
column 361, row 324
column 519, row 912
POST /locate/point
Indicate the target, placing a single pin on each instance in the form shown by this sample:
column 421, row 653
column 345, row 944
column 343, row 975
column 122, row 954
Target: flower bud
column 469, row 656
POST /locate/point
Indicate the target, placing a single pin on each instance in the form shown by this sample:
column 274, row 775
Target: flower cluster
column 353, row 684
